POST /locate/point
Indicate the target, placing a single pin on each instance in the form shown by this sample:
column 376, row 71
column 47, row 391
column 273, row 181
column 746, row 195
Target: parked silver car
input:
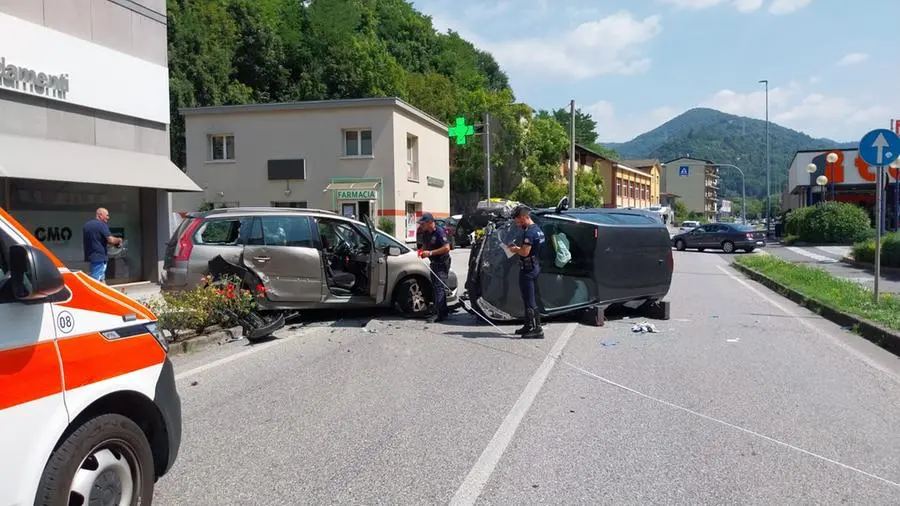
column 306, row 259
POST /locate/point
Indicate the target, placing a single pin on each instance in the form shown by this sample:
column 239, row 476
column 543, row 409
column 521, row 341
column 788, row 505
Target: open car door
column 377, row 265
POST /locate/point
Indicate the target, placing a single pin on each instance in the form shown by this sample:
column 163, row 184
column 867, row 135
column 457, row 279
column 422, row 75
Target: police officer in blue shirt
column 436, row 248
column 529, row 271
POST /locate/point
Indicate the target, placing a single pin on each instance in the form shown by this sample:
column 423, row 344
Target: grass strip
column 841, row 294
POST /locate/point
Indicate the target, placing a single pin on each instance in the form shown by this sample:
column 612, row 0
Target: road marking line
column 809, row 254
column 840, row 251
column 478, row 476
column 809, row 325
column 730, row 425
column 241, row 354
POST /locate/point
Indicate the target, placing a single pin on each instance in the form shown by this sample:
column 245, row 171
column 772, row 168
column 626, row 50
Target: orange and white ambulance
column 89, row 411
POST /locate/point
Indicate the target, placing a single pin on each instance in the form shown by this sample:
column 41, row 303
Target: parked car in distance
column 305, row 258
column 592, row 259
column 687, row 226
column 727, row 237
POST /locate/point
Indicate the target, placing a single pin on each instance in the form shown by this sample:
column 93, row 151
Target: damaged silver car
column 305, row 258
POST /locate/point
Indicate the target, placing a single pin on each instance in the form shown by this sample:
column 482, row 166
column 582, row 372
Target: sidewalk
column 829, row 259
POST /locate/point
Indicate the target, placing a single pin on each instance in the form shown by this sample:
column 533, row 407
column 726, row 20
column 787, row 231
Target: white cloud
column 819, row 115
column 776, row 7
column 853, row 58
column 748, row 5
column 610, row 45
column 612, row 127
column 779, row 7
column 693, row 4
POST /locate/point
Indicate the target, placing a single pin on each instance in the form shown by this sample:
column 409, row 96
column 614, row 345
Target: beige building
column 653, row 167
column 379, row 157
column 696, row 181
column 84, row 116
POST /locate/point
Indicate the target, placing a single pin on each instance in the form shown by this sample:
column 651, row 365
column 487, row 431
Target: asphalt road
column 741, row 398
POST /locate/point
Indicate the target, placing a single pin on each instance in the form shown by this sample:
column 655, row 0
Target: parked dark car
column 615, row 257
column 727, row 237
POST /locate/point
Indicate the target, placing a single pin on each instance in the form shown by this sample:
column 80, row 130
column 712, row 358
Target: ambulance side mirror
column 33, row 275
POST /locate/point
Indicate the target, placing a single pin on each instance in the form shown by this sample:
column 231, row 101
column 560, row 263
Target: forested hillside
column 726, row 138
column 249, row 51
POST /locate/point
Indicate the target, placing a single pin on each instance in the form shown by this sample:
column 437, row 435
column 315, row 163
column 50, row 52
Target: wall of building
column 430, row 191
column 691, row 188
column 622, row 182
column 315, row 136
column 114, row 56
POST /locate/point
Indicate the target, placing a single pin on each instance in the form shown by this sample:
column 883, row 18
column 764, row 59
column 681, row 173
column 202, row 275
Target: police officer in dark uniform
column 436, row 248
column 529, row 272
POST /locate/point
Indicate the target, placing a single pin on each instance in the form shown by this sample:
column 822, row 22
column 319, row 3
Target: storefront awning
column 360, row 185
column 35, row 158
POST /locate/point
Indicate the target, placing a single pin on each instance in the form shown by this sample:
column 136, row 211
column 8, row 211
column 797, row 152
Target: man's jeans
column 98, row 271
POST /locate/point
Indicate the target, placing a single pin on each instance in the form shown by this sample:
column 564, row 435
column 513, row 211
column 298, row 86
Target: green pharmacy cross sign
column 461, row 130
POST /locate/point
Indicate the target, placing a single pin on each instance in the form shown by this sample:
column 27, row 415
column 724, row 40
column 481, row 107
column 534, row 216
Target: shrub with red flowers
column 212, row 303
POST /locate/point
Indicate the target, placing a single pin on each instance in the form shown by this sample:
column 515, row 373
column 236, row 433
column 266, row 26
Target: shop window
column 221, row 147
column 219, row 232
column 55, row 211
column 413, row 212
column 358, row 142
column 618, row 187
column 412, row 157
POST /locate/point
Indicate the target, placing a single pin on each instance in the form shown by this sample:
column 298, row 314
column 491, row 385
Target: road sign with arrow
column 879, row 147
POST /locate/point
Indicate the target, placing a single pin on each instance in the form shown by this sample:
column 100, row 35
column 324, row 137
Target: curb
column 865, row 265
column 883, row 337
column 202, row 342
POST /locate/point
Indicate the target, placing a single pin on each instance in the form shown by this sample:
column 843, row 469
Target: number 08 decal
column 65, row 322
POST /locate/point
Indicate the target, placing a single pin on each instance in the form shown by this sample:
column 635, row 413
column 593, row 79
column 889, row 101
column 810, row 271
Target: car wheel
column 679, row 245
column 410, row 298
column 107, row 460
column 701, row 249
column 728, row 247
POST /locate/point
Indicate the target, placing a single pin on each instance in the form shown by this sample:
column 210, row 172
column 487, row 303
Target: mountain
column 726, row 138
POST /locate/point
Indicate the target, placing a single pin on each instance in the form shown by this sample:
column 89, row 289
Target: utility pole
column 768, row 171
column 487, row 155
column 572, row 157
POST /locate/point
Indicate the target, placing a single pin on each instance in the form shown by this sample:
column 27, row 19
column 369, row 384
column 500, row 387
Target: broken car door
column 281, row 251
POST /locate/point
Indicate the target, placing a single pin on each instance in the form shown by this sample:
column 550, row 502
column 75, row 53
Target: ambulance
column 89, row 411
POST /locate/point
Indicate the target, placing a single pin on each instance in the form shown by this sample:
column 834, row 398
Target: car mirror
column 392, row 251
column 33, row 274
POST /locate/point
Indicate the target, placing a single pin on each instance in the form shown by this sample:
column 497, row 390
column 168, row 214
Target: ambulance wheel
column 107, row 461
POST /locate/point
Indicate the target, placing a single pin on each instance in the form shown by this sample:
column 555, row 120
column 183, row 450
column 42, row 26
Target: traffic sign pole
column 879, row 220
column 879, row 147
column 487, row 155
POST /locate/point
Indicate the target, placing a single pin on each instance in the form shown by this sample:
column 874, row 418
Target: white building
column 379, row 157
column 84, row 115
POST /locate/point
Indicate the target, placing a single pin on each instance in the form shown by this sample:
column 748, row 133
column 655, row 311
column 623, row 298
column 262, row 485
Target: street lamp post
column 768, row 175
column 832, row 158
column 810, row 169
column 822, row 181
column 743, row 189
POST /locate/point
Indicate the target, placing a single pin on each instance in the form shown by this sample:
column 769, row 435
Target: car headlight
column 153, row 328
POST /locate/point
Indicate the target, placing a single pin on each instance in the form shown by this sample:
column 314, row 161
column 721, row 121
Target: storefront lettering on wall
column 867, row 172
column 356, row 194
column 33, row 81
column 53, row 234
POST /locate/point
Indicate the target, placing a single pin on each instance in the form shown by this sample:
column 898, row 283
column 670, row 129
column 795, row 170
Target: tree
column 543, row 144
column 680, row 211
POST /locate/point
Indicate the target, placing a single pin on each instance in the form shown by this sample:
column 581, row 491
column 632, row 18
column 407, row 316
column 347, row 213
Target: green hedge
column 864, row 251
column 829, row 223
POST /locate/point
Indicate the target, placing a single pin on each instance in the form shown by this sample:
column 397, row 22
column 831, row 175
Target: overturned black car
column 592, row 259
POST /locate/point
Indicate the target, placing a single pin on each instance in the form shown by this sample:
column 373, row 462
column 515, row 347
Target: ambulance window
column 5, row 242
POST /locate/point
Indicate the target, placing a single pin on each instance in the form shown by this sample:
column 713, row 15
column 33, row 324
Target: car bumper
column 754, row 243
column 169, row 403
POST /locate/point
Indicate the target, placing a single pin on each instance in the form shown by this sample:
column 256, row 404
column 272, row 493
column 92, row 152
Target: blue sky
column 636, row 64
